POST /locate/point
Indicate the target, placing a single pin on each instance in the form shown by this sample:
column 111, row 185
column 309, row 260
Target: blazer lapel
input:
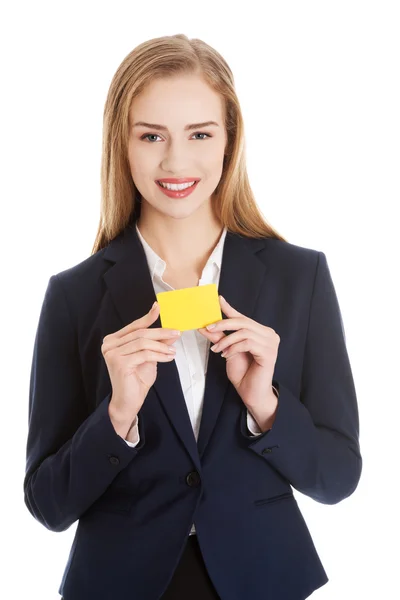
column 131, row 289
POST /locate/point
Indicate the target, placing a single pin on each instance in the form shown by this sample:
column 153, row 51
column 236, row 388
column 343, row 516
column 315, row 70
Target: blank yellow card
column 189, row 308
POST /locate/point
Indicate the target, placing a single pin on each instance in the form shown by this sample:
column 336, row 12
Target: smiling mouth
column 176, row 187
column 179, row 192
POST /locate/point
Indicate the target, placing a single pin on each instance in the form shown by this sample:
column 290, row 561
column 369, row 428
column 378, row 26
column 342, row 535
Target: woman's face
column 171, row 151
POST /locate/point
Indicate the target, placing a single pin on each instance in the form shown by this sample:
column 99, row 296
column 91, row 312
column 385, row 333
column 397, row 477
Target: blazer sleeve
column 314, row 440
column 72, row 456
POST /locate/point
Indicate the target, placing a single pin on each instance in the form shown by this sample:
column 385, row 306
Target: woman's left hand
column 250, row 353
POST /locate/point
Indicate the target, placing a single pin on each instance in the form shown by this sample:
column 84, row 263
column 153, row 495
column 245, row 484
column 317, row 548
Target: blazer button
column 114, row 460
column 267, row 451
column 193, row 479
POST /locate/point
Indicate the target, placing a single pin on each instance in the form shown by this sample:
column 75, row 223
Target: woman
column 178, row 459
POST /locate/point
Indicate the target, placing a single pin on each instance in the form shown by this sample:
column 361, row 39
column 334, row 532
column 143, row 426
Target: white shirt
column 192, row 347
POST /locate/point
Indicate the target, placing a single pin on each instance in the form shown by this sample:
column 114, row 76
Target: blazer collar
column 131, row 289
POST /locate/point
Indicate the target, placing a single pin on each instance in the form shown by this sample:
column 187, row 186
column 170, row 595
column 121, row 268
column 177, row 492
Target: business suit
column 136, row 505
column 191, row 347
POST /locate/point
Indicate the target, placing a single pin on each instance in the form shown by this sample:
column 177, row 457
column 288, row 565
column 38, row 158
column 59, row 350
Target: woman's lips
column 177, row 193
column 178, row 179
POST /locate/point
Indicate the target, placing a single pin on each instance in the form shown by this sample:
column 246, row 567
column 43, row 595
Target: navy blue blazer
column 135, row 506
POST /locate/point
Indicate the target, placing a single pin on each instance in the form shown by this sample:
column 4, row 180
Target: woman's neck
column 181, row 247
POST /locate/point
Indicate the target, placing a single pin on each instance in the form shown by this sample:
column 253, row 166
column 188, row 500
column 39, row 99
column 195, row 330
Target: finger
column 231, row 324
column 144, row 344
column 246, row 345
column 261, row 354
column 150, row 356
column 139, row 344
column 113, row 341
column 143, row 356
column 261, row 341
column 155, row 333
column 212, row 337
column 233, row 338
column 143, row 321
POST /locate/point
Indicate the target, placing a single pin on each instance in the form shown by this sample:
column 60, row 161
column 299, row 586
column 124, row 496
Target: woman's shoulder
column 283, row 252
column 86, row 271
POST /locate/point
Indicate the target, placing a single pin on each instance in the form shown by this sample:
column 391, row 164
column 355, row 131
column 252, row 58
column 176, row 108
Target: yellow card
column 189, row 308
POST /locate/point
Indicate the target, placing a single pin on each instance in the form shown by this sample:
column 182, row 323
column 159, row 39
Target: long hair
column 162, row 57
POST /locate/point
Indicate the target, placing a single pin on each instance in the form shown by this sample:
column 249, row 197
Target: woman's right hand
column 131, row 355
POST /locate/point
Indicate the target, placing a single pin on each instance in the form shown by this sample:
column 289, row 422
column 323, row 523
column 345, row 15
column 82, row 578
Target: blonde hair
column 162, row 57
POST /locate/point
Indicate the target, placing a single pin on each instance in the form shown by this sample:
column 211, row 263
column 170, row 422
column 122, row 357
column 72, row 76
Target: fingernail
column 211, row 326
column 154, row 305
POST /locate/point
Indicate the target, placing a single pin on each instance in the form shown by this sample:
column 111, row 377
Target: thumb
column 214, row 337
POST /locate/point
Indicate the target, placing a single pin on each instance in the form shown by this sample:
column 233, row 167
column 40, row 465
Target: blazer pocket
column 272, row 499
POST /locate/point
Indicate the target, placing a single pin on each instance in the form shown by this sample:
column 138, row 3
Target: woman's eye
column 148, row 135
column 200, row 133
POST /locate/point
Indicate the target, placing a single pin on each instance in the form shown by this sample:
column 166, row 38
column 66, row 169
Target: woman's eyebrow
column 164, row 128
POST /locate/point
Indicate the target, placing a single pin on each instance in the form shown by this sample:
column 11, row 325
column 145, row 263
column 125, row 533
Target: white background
column 318, row 84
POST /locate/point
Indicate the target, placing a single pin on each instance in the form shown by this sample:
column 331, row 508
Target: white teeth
column 176, row 186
